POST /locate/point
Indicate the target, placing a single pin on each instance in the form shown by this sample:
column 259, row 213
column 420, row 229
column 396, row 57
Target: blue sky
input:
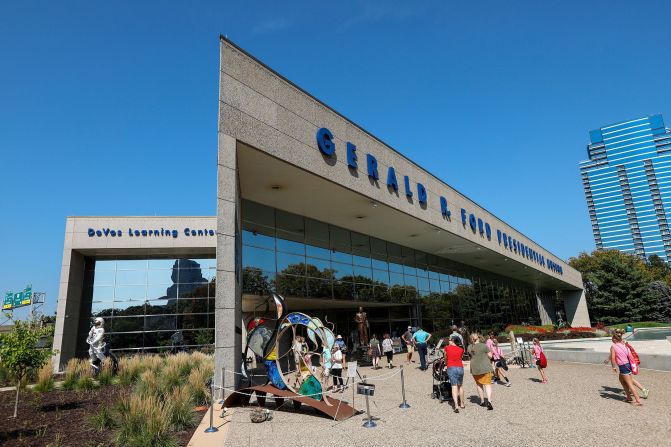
column 111, row 108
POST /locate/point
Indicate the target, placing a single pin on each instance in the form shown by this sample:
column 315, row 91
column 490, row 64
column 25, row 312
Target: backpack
column 634, row 355
column 543, row 360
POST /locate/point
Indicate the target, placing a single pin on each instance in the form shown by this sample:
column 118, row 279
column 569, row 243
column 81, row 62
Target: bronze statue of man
column 362, row 323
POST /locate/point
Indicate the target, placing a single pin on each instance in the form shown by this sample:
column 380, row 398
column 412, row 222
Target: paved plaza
column 582, row 404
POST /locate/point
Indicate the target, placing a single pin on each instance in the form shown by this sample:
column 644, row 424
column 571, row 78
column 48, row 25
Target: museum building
column 314, row 207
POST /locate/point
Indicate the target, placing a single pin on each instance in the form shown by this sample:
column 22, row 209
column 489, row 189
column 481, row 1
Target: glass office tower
column 627, row 182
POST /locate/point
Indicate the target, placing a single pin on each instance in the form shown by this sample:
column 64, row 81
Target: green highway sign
column 18, row 299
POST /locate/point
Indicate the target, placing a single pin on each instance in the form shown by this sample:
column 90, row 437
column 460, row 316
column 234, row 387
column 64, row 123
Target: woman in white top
column 388, row 349
column 336, row 368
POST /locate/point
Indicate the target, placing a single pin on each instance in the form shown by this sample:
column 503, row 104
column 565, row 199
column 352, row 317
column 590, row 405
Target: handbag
column 503, row 364
column 543, row 360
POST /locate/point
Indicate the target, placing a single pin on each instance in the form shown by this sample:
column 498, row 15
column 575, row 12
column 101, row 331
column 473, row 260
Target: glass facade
column 305, row 258
column 627, row 182
column 150, row 304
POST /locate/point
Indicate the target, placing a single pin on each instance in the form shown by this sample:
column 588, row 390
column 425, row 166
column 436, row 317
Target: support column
column 575, row 305
column 546, row 308
column 69, row 306
column 228, row 326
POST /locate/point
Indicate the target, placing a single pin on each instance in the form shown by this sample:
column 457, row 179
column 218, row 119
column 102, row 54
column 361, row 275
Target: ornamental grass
column 71, row 374
column 182, row 415
column 130, row 369
column 106, row 375
column 183, row 362
column 45, row 378
column 144, row 422
column 196, row 385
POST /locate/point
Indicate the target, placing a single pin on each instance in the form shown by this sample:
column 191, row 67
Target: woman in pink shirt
column 537, row 349
column 621, row 360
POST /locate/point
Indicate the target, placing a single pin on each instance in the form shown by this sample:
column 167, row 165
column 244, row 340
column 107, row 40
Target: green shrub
column 102, row 420
column 85, row 383
column 640, row 324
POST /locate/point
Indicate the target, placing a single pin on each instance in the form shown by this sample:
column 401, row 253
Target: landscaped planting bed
column 150, row 402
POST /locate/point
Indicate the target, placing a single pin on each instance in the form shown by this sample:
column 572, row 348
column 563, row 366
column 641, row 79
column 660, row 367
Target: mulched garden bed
column 60, row 418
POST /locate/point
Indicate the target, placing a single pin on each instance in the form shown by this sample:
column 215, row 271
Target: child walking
column 388, row 349
column 538, row 352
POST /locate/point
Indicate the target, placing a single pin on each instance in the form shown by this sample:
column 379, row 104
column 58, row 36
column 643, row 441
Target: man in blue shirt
column 421, row 337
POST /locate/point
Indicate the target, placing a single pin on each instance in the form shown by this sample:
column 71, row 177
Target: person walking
column 490, row 343
column 455, row 333
column 537, row 351
column 454, row 352
column 336, row 368
column 644, row 391
column 343, row 348
column 375, row 351
column 481, row 369
column 621, row 361
column 388, row 349
column 499, row 363
column 421, row 339
column 409, row 343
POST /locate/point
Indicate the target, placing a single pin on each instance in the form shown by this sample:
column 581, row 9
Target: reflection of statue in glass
column 362, row 324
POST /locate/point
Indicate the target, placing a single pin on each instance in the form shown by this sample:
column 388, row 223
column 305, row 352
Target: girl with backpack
column 623, row 362
column 388, row 349
column 500, row 364
column 644, row 391
column 541, row 360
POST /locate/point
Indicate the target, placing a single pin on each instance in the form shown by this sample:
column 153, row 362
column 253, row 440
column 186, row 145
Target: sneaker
column 484, row 404
column 489, row 406
column 644, row 393
column 507, row 384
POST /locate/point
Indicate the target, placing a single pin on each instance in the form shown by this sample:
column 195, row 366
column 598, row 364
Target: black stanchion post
column 369, row 423
column 404, row 405
column 211, row 428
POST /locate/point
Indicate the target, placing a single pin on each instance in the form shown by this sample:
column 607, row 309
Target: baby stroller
column 441, row 387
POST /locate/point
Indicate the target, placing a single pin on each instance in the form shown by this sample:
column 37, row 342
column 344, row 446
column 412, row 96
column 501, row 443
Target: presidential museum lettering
column 327, row 146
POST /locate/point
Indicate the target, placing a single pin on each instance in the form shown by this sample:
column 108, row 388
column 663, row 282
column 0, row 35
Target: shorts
column 483, row 379
column 411, row 349
column 456, row 375
column 625, row 369
column 390, row 355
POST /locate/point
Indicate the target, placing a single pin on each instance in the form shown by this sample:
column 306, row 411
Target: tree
column 19, row 352
column 616, row 286
column 658, row 269
column 661, row 293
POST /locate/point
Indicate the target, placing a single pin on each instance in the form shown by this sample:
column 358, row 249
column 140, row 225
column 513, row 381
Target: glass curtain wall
column 301, row 257
column 150, row 304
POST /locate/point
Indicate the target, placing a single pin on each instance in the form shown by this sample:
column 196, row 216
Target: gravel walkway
column 581, row 404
